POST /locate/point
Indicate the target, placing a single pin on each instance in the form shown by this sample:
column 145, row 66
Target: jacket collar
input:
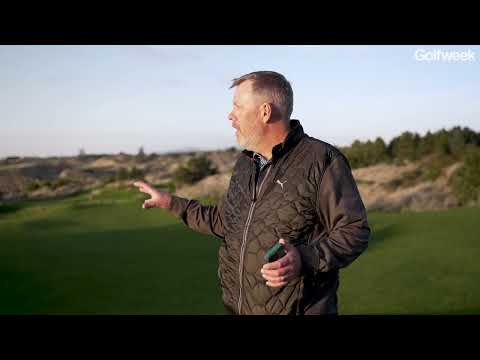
column 294, row 136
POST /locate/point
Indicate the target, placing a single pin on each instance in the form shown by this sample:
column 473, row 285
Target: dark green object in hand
column 275, row 253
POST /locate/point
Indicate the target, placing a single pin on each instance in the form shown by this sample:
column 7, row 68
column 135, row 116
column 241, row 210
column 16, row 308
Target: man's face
column 246, row 116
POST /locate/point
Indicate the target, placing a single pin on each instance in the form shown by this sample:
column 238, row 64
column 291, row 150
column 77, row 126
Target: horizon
column 190, row 150
column 113, row 99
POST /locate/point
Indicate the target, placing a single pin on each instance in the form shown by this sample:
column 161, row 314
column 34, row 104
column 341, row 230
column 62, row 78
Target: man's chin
column 240, row 141
column 245, row 146
column 244, row 143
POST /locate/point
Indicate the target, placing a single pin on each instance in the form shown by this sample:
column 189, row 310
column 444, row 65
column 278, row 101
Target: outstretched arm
column 202, row 218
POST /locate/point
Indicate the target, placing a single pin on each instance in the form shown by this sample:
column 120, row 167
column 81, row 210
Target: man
column 286, row 187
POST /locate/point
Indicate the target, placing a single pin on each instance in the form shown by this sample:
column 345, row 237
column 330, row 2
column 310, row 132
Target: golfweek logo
column 438, row 55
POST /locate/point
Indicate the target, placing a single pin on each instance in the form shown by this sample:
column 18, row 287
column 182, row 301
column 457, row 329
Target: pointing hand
column 158, row 198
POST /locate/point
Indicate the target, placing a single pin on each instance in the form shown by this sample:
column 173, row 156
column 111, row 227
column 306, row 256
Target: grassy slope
column 108, row 256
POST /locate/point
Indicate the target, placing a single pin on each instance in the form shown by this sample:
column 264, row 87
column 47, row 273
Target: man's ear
column 266, row 112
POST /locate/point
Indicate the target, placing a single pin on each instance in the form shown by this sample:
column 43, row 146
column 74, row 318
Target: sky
column 56, row 100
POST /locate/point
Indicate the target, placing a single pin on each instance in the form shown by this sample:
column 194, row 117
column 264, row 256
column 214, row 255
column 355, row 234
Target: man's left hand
column 281, row 272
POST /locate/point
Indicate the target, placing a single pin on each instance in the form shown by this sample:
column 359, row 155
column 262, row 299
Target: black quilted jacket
column 308, row 197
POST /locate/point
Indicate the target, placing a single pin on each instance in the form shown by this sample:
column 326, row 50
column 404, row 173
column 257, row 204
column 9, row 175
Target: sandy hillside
column 376, row 195
column 374, row 182
column 371, row 183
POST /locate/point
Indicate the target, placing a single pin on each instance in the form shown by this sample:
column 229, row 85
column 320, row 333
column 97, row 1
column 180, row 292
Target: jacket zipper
column 244, row 241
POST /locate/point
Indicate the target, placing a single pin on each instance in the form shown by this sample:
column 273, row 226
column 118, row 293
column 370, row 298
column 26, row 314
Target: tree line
column 411, row 146
column 436, row 151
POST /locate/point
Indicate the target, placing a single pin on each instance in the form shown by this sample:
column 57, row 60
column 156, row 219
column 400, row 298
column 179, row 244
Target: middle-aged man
column 286, row 187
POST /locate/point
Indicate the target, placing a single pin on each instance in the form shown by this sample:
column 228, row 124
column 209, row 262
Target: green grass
column 417, row 263
column 105, row 256
column 109, row 256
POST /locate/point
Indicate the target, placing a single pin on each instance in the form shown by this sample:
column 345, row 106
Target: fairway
column 109, row 256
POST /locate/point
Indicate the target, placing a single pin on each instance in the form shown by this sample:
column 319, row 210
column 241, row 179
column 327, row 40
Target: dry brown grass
column 211, row 186
column 382, row 186
column 426, row 195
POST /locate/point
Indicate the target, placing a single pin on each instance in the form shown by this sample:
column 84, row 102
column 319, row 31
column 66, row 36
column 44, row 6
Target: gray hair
column 274, row 86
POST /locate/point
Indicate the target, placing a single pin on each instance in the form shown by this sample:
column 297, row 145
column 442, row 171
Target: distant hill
column 436, row 171
column 37, row 178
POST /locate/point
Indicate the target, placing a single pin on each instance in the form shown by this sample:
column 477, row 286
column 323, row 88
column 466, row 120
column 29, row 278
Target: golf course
column 104, row 254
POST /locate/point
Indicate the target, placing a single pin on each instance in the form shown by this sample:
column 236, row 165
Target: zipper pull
column 254, row 195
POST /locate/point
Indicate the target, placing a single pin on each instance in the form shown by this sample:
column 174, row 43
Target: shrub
column 55, row 184
column 108, row 179
column 34, row 185
column 197, row 168
column 122, row 174
column 466, row 180
column 433, row 166
column 135, row 173
column 409, row 178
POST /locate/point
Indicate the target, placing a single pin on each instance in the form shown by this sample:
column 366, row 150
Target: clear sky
column 55, row 100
